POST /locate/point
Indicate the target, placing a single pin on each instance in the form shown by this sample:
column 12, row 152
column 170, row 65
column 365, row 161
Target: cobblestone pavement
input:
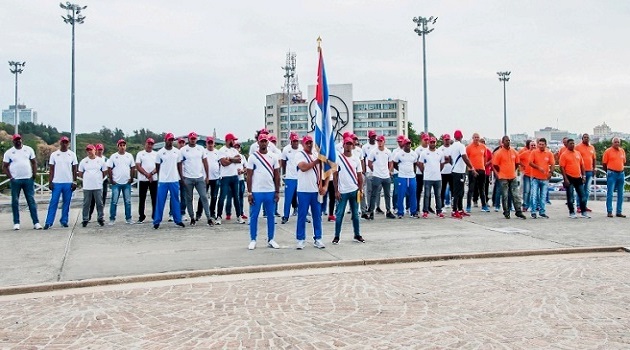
column 560, row 302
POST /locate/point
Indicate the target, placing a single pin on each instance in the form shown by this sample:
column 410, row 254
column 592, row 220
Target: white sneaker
column 300, row 244
column 217, row 221
column 585, row 216
column 252, row 245
column 38, row 226
column 16, row 227
column 273, row 244
column 240, row 220
column 572, row 216
column 319, row 244
column 111, row 222
column 129, row 222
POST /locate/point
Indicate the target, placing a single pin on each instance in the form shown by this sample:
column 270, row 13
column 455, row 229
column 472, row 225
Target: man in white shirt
column 431, row 163
column 63, row 181
column 380, row 164
column 168, row 165
column 121, row 167
column 92, row 169
column 230, row 164
column 214, row 173
column 242, row 169
column 147, row 178
column 309, row 187
column 366, row 149
column 263, row 187
column 348, row 182
column 406, row 161
column 447, row 176
column 289, row 167
column 276, row 152
column 195, row 171
column 20, row 167
column 100, row 149
column 400, row 139
column 424, row 145
column 459, row 161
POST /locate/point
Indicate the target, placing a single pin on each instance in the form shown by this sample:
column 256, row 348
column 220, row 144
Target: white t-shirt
column 432, row 161
column 394, row 153
column 20, row 162
column 147, row 161
column 380, row 162
column 63, row 162
column 418, row 151
column 92, row 170
column 120, row 165
column 446, row 151
column 349, row 169
column 288, row 155
column 406, row 163
column 241, row 176
column 308, row 181
column 366, row 149
column 214, row 164
column 192, row 161
column 457, row 150
column 168, row 160
column 263, row 167
column 232, row 168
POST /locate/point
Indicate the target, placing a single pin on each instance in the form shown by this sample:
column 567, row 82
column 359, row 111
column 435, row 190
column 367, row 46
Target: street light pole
column 422, row 30
column 16, row 68
column 504, row 77
column 73, row 16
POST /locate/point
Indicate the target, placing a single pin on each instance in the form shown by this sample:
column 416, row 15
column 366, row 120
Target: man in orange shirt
column 572, row 166
column 527, row 173
column 613, row 161
column 588, row 155
column 476, row 153
column 505, row 162
column 541, row 162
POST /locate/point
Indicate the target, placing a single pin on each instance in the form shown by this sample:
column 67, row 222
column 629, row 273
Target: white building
column 25, row 115
column 553, row 134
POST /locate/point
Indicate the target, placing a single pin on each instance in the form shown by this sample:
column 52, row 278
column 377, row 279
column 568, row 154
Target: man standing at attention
column 347, row 181
column 476, row 153
column 308, row 188
column 366, row 149
column 380, row 164
column 572, row 166
column 195, row 171
column 214, row 173
column 406, row 161
column 147, row 179
column 613, row 161
column 168, row 165
column 505, row 162
column 459, row 161
column 21, row 168
column 230, row 165
column 263, row 188
column 431, row 162
column 587, row 151
column 542, row 163
column 121, row 167
column 92, row 169
column 289, row 167
column 63, row 181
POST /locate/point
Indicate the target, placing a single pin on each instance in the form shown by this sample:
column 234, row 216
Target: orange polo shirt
column 543, row 159
column 571, row 163
column 614, row 159
column 588, row 155
column 477, row 155
column 506, row 160
column 524, row 159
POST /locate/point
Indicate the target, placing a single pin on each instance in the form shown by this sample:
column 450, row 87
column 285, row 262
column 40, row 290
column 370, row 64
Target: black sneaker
column 390, row 216
column 197, row 217
column 84, row 223
column 520, row 215
column 46, row 227
column 284, row 220
column 544, row 216
column 193, row 222
column 534, row 216
column 210, row 222
column 507, row 216
column 379, row 210
column 431, row 210
column 371, row 216
column 64, row 225
column 277, row 214
column 180, row 224
column 335, row 240
column 359, row 239
column 156, row 226
column 365, row 216
column 101, row 222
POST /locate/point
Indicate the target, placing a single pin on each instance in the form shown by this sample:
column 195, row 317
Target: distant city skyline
column 149, row 64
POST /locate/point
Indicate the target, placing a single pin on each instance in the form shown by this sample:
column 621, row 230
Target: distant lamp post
column 16, row 68
column 73, row 16
column 504, row 77
column 422, row 29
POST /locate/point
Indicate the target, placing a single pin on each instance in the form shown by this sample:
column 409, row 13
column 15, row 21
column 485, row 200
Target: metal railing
column 42, row 188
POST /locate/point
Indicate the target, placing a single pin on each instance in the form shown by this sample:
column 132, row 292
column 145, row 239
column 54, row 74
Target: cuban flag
column 324, row 133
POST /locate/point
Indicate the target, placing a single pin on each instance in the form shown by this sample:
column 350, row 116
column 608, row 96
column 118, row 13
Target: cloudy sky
column 198, row 65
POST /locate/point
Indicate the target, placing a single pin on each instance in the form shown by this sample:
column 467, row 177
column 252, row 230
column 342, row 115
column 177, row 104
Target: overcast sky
column 198, row 65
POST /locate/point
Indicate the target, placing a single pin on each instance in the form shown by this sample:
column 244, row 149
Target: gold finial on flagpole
column 319, row 43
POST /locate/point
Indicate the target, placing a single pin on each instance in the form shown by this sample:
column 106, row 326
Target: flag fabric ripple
column 324, row 133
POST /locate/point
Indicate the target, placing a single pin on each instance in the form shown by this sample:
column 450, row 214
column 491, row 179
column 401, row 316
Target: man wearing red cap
column 92, row 169
column 231, row 162
column 121, row 168
column 214, row 174
column 380, row 163
column 195, row 171
column 20, row 167
column 347, row 182
column 446, row 173
column 263, row 187
column 460, row 161
column 400, row 139
column 308, row 188
column 406, row 161
column 147, row 178
column 289, row 167
column 367, row 184
column 63, row 181
column 168, row 165
column 100, row 149
column 431, row 162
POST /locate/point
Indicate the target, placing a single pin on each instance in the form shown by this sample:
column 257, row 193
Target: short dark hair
column 542, row 139
column 570, row 140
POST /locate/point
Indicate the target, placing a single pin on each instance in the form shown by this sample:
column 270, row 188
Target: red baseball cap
column 230, row 137
column 263, row 136
column 150, row 140
column 371, row 133
column 348, row 139
column 307, row 138
column 346, row 134
column 181, row 140
column 432, row 139
column 169, row 136
column 400, row 138
column 425, row 137
column 263, row 131
column 380, row 138
column 64, row 139
column 272, row 138
column 294, row 137
column 209, row 138
column 406, row 141
column 446, row 137
column 99, row 147
column 89, row 147
column 17, row 137
column 458, row 134
column 121, row 141
column 192, row 135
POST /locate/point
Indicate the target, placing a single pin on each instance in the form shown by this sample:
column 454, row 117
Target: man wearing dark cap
column 20, row 167
column 289, row 167
column 230, row 165
column 121, row 168
column 63, row 181
column 147, row 178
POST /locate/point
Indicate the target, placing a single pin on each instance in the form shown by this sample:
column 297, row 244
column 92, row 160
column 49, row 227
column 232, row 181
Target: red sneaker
column 331, row 218
column 463, row 213
column 244, row 217
column 440, row 215
column 456, row 215
column 588, row 210
column 579, row 210
column 425, row 215
column 228, row 217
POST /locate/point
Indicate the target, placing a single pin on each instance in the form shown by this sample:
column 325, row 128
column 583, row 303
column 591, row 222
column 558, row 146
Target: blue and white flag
column 324, row 133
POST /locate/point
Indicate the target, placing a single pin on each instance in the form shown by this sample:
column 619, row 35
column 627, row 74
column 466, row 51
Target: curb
column 48, row 287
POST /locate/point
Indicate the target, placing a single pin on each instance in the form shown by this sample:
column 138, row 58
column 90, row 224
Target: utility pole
column 504, row 77
column 16, row 68
column 422, row 29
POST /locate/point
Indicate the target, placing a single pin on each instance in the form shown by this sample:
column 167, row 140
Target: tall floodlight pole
column 289, row 74
column 422, row 29
column 16, row 68
column 72, row 17
column 504, row 77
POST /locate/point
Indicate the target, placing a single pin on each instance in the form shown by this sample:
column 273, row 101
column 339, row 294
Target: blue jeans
column 395, row 192
column 265, row 199
column 614, row 181
column 59, row 190
column 527, row 193
column 436, row 185
column 539, row 191
column 126, row 192
column 229, row 184
column 587, row 184
column 28, row 186
column 306, row 200
column 346, row 198
column 163, row 189
column 290, row 187
column 406, row 188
